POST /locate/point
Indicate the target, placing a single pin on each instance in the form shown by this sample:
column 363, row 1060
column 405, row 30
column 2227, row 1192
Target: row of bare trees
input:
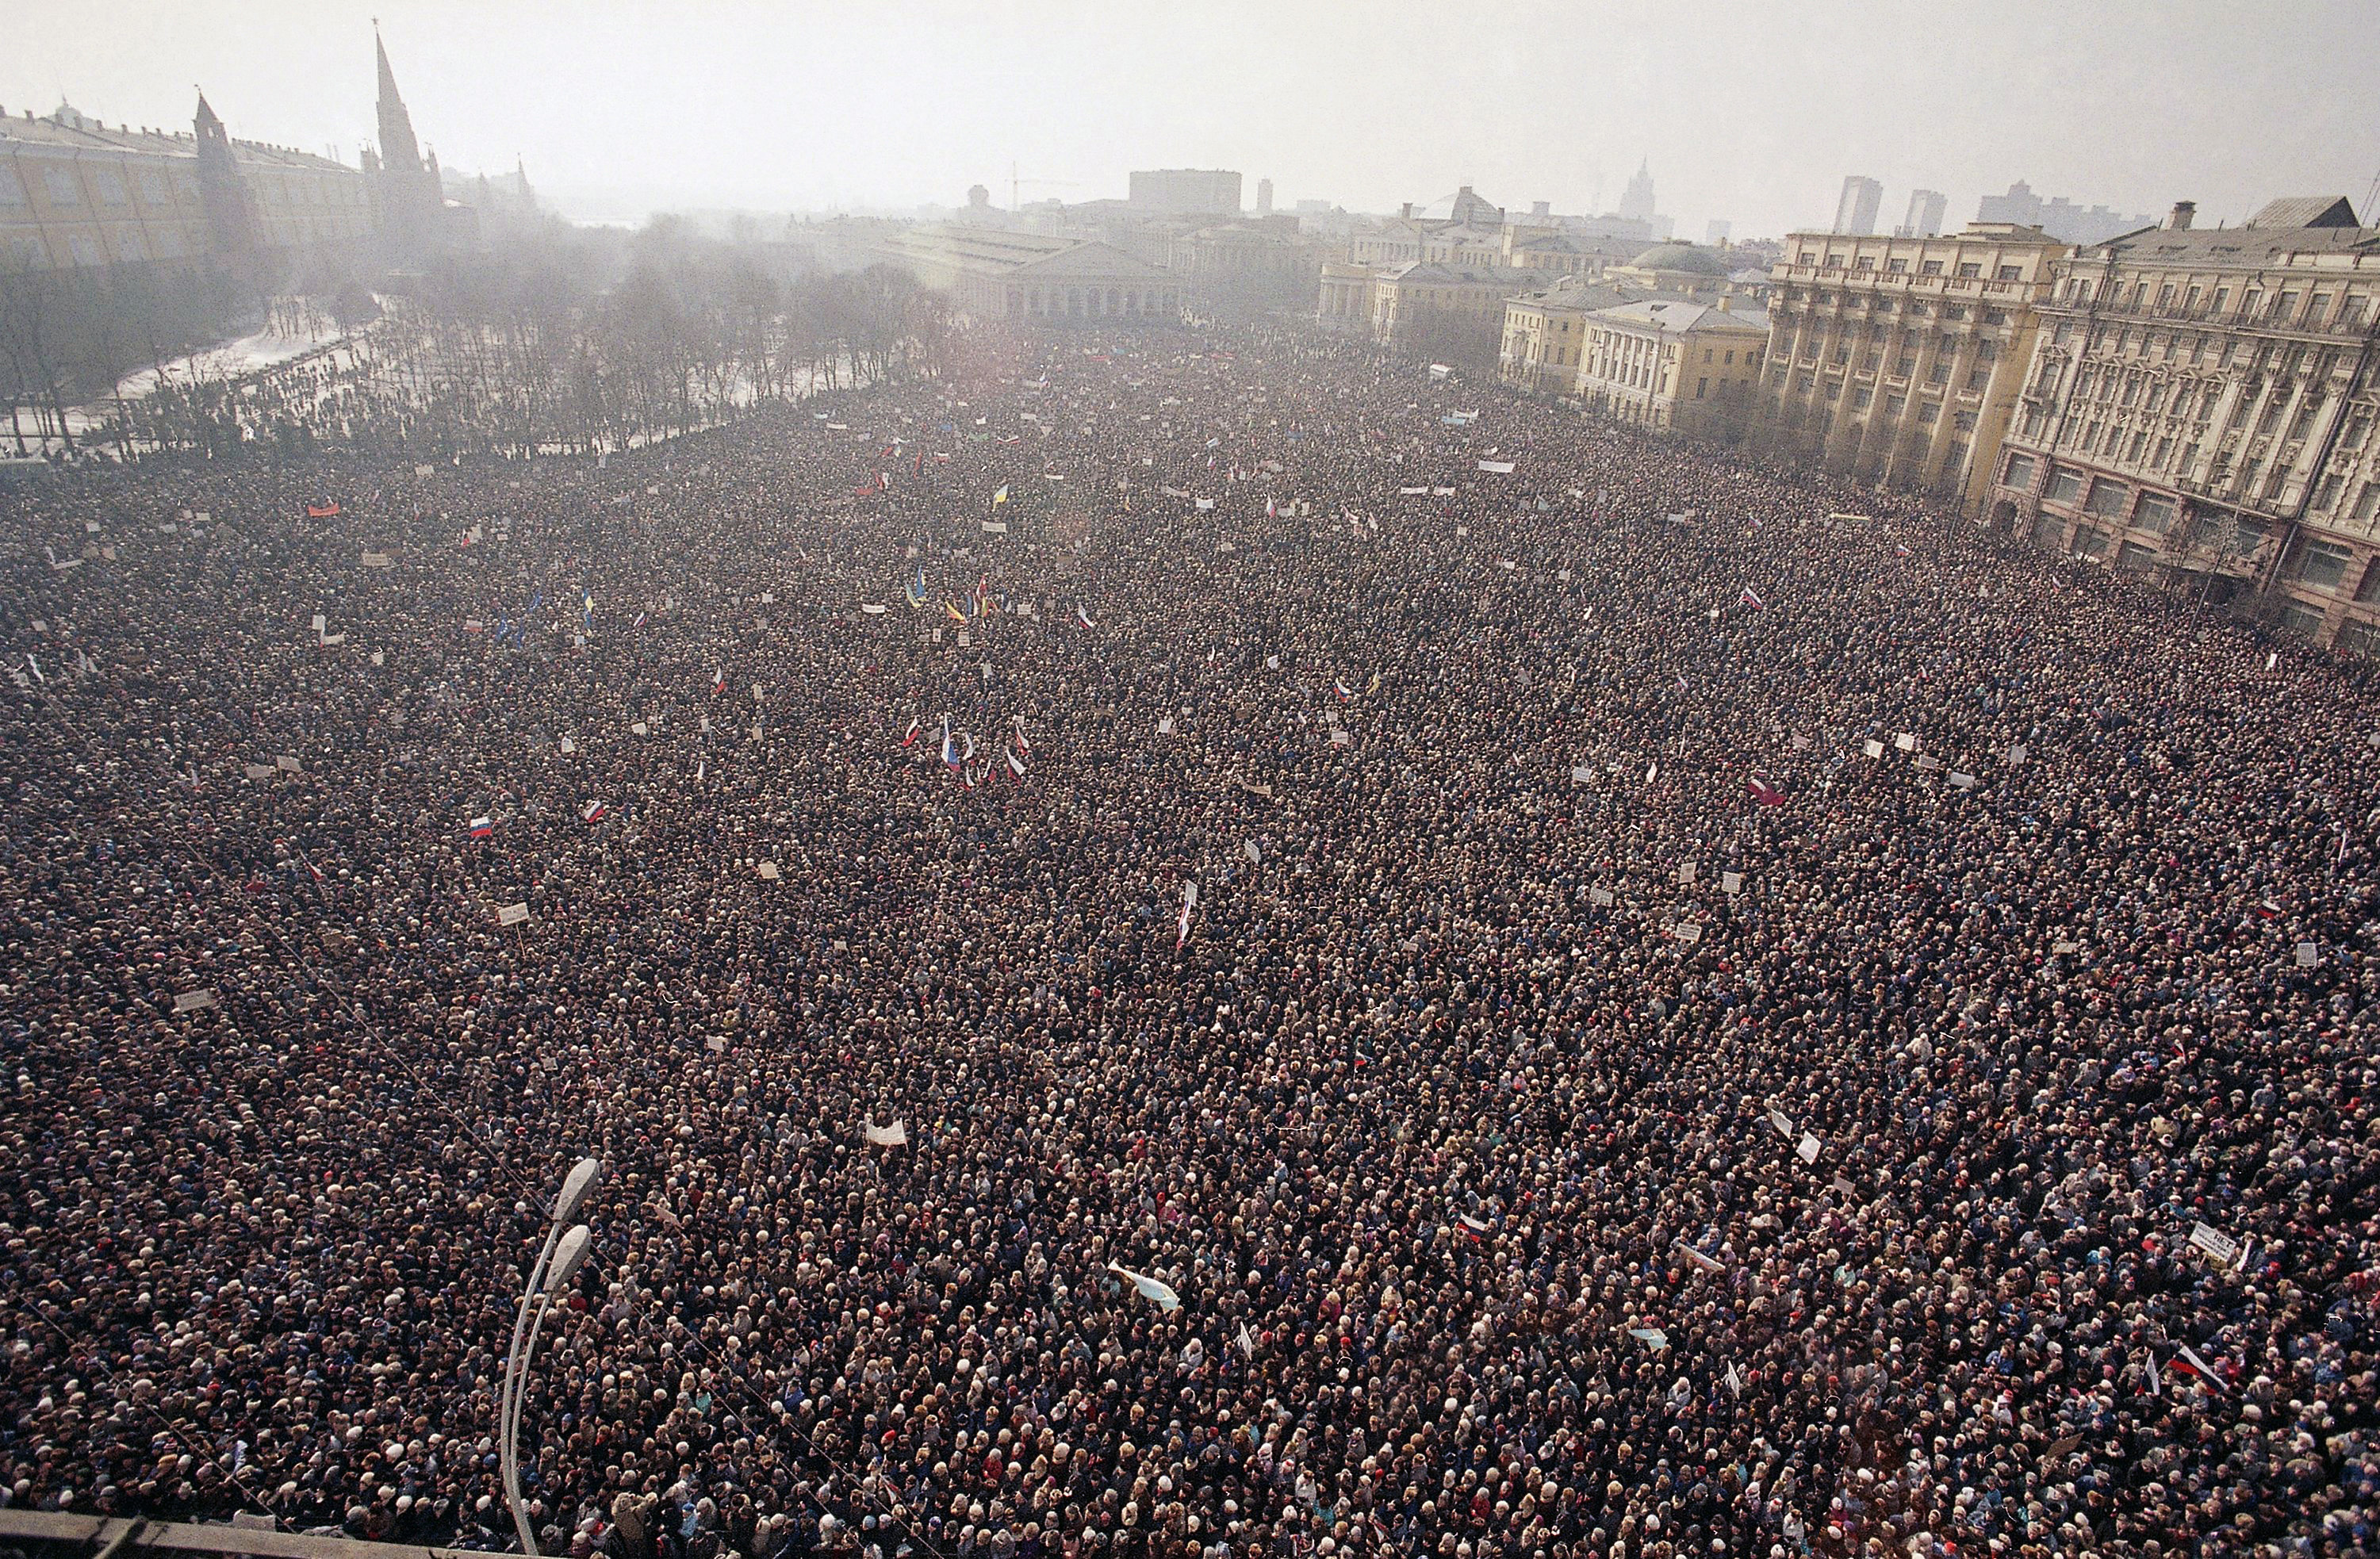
column 554, row 339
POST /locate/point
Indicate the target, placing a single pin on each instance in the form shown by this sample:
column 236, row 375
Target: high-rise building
column 1925, row 219
column 1900, row 360
column 1264, row 197
column 1185, row 192
column 1637, row 205
column 1855, row 208
column 2059, row 217
column 2201, row 409
column 1716, row 231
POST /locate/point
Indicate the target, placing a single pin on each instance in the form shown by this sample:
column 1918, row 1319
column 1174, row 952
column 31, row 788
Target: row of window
column 2208, row 349
column 1886, row 302
column 1898, row 265
column 2297, row 308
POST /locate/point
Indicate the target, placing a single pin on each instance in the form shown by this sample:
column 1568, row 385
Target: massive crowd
column 1721, row 1014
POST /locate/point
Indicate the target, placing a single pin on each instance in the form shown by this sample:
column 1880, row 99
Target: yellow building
column 2200, row 408
column 1900, row 359
column 1674, row 365
column 77, row 194
column 1545, row 332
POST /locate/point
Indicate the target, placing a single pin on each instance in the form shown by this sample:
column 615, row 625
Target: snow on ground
column 225, row 360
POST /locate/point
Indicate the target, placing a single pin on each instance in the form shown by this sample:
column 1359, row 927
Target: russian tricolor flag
column 482, row 827
column 591, row 811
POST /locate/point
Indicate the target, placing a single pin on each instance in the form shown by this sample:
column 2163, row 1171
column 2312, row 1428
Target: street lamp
column 566, row 1250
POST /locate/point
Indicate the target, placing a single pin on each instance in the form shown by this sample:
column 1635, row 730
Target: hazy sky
column 1751, row 112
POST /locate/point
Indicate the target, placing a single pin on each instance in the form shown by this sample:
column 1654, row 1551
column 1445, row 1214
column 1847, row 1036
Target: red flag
column 1763, row 793
column 322, row 511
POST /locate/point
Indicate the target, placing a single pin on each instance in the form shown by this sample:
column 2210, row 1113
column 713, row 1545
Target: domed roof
column 1680, row 256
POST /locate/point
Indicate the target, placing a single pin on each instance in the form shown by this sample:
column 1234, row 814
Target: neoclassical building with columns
column 994, row 273
column 1897, row 360
column 2200, row 410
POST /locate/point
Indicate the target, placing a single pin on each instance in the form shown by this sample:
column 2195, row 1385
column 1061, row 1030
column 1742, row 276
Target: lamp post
column 565, row 1250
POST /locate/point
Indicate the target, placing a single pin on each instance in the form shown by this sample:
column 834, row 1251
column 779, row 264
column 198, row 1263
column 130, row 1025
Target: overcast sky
column 1753, row 113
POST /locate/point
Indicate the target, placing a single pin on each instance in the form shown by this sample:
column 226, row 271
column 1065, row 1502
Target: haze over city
column 1748, row 112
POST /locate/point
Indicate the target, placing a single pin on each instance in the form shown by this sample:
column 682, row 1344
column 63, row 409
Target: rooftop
column 1690, row 258
column 70, row 130
column 1676, row 317
column 2276, row 233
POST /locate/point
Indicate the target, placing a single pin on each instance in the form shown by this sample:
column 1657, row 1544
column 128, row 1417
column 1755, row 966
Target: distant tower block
column 1855, row 209
column 1264, row 197
column 1925, row 209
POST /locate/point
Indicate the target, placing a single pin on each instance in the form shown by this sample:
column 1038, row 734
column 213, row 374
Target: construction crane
column 1014, row 184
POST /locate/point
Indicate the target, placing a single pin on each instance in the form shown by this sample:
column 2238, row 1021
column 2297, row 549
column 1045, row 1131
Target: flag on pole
column 718, row 681
column 1189, row 902
column 1751, row 598
column 1084, row 618
column 1345, row 697
column 482, row 827
column 909, row 738
column 591, row 811
column 1016, row 766
column 1000, row 496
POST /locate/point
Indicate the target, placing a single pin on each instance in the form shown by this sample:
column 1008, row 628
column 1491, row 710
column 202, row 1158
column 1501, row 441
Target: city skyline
column 691, row 111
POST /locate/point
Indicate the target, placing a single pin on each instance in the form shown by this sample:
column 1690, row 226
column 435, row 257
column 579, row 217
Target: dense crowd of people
column 1644, row 1006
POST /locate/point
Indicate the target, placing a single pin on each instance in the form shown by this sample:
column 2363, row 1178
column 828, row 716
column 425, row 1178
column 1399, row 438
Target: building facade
column 1208, row 192
column 1545, row 332
column 2200, row 409
column 1241, row 267
column 1674, row 365
column 1031, row 278
column 75, row 194
column 1900, row 360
